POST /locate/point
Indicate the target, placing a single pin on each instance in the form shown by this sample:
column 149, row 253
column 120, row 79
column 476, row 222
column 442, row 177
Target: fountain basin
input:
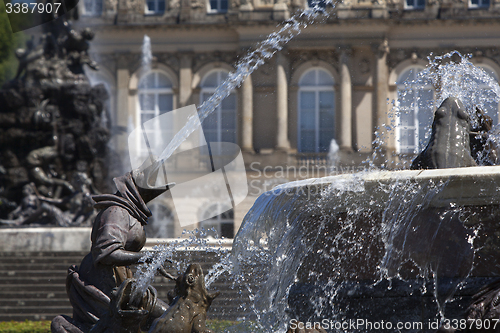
column 392, row 245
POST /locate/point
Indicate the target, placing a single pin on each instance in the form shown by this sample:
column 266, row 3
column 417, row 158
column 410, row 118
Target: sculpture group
column 53, row 143
column 101, row 288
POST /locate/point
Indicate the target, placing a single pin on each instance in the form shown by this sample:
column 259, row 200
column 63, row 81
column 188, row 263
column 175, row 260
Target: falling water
column 146, row 54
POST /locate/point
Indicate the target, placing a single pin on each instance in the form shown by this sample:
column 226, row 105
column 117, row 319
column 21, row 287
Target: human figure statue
column 483, row 150
column 75, row 46
column 69, row 211
column 449, row 145
column 38, row 160
column 117, row 237
column 29, row 209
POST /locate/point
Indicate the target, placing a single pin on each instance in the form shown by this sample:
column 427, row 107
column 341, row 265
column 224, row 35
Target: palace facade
column 336, row 80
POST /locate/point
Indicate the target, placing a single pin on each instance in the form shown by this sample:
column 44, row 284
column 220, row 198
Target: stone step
column 36, row 309
column 32, row 285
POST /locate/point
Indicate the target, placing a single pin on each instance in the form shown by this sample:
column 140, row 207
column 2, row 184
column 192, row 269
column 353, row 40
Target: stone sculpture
column 449, row 145
column 50, row 123
column 484, row 151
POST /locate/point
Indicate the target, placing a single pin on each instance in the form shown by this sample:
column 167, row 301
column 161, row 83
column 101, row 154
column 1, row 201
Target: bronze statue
column 449, row 145
column 483, row 150
column 188, row 310
column 117, row 237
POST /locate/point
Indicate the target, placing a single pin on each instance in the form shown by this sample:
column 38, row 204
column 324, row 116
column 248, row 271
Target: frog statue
column 186, row 313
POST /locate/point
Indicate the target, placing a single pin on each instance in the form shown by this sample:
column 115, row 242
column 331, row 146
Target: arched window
column 155, row 7
column 161, row 224
column 220, row 126
column 221, row 225
column 415, row 103
column 218, row 6
column 316, row 126
column 92, row 7
column 491, row 106
column 155, row 98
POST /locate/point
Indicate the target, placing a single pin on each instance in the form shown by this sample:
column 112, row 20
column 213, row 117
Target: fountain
column 374, row 249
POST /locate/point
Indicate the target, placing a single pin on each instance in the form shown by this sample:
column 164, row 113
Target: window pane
column 324, row 79
column 421, row 3
column 146, row 116
column 307, row 141
column 151, row 6
column 164, row 103
column 163, row 81
column 307, row 119
column 229, row 103
column 307, row 100
column 213, row 4
column 309, row 79
column 223, row 5
column 228, row 136
column 326, row 119
column 228, row 121
column 161, row 6
column 210, row 122
column 147, row 101
column 325, row 137
column 210, row 81
column 326, row 100
column 406, row 76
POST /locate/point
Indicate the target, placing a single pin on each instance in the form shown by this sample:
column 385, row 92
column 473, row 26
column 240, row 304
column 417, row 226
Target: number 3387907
column 33, row 7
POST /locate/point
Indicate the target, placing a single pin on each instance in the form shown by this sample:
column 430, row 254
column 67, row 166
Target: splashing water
column 314, row 254
column 162, row 253
column 448, row 75
column 264, row 50
column 147, row 55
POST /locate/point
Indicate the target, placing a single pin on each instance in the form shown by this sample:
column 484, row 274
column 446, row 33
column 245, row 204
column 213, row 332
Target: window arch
column 316, row 121
column 220, row 125
column 415, row 104
column 155, row 98
column 222, row 223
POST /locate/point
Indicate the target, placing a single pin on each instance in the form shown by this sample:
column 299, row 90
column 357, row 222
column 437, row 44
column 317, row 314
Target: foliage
column 27, row 326
column 43, row 326
column 8, row 43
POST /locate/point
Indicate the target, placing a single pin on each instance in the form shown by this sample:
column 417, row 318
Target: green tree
column 9, row 41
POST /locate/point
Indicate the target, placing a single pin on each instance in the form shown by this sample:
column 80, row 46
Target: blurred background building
column 336, row 80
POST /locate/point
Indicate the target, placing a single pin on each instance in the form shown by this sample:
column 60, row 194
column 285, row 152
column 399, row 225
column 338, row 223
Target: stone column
column 122, row 106
column 381, row 87
column 185, row 80
column 282, row 142
column 247, row 108
column 280, row 10
column 345, row 136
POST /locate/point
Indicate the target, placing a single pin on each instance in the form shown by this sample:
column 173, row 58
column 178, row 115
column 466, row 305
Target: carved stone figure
column 483, row 150
column 449, row 145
